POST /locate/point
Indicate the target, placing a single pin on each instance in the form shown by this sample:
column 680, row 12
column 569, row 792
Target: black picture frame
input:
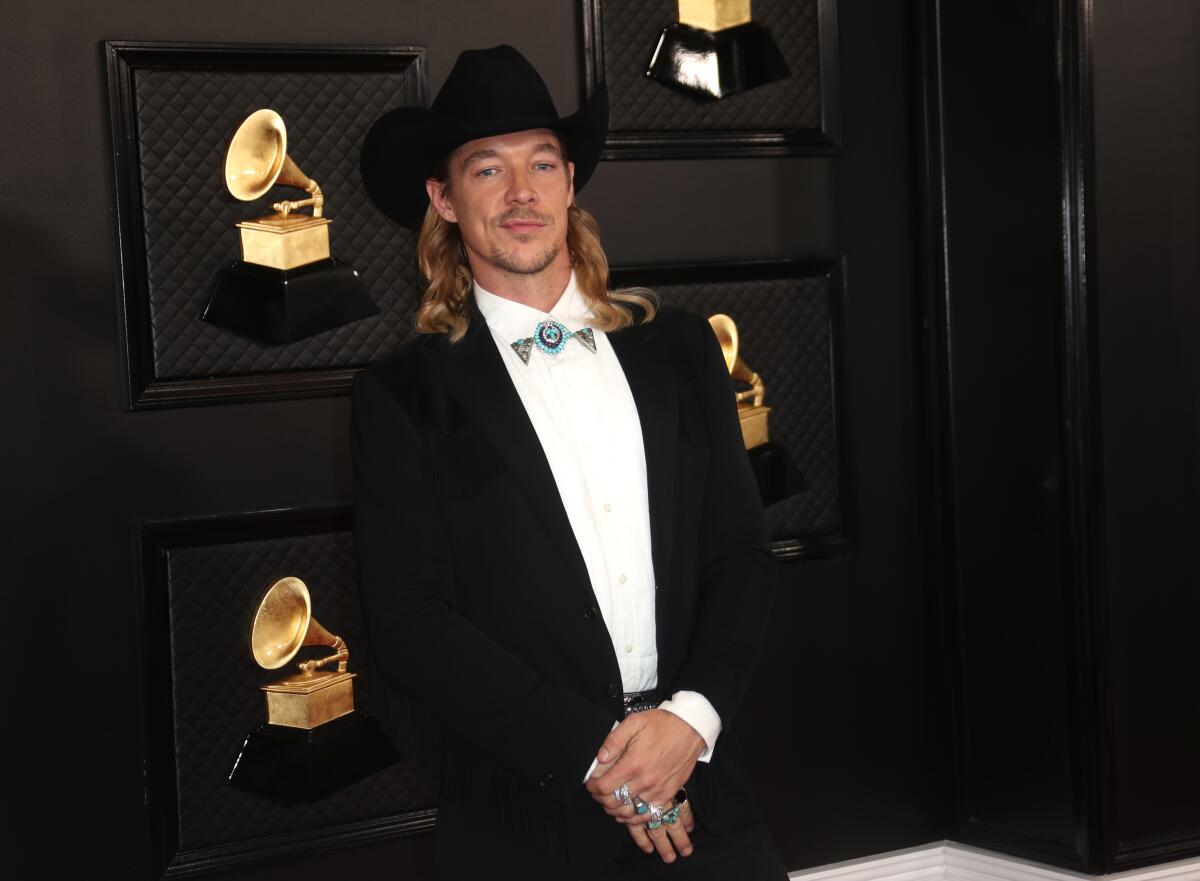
column 154, row 543
column 759, row 137
column 144, row 388
column 840, row 540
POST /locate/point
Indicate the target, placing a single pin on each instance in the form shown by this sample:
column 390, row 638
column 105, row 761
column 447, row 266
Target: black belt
column 636, row 701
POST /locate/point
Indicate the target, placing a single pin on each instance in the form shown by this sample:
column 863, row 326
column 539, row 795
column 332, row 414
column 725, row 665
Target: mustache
column 524, row 214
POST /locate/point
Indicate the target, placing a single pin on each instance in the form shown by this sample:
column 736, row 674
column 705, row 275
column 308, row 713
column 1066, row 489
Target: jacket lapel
column 476, row 376
column 652, row 381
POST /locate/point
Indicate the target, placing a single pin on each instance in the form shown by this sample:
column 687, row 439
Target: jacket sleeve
column 478, row 689
column 737, row 568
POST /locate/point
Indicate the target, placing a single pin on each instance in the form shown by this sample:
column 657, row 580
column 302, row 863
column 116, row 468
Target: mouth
column 522, row 225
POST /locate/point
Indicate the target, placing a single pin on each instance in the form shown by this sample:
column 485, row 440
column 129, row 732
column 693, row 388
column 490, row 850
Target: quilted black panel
column 630, row 30
column 185, row 118
column 784, row 334
column 214, row 591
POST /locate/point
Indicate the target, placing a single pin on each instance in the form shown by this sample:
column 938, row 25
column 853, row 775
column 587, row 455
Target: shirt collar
column 514, row 321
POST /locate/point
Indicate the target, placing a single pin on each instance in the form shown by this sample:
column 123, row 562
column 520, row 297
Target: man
column 561, row 550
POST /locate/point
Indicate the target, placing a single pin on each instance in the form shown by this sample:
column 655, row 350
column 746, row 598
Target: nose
column 520, row 187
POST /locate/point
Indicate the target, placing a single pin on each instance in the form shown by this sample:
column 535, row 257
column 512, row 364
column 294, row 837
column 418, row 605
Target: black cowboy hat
column 489, row 92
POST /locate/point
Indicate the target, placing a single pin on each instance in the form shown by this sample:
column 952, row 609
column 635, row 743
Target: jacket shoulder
column 398, row 370
column 686, row 325
column 682, row 334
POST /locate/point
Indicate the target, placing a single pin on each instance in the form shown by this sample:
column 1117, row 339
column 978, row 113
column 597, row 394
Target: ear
column 440, row 200
column 570, row 183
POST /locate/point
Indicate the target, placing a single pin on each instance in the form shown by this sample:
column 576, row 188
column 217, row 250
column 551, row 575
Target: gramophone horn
column 284, row 624
column 727, row 336
column 257, row 159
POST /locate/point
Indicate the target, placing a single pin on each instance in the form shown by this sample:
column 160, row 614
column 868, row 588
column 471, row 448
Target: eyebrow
column 486, row 153
column 548, row 147
column 489, row 153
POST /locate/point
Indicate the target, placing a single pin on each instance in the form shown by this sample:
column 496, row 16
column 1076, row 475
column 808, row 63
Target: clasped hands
column 653, row 753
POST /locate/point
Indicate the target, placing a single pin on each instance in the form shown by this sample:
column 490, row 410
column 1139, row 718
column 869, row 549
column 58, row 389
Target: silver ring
column 622, row 795
column 656, row 815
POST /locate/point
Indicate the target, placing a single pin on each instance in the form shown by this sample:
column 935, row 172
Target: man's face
column 509, row 196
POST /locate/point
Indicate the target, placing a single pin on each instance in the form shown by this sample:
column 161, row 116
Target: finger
column 629, row 772
column 679, row 837
column 662, row 843
column 597, row 784
column 618, row 739
column 619, row 812
column 607, row 797
column 639, row 817
column 592, row 783
column 641, row 839
column 686, row 817
column 655, row 794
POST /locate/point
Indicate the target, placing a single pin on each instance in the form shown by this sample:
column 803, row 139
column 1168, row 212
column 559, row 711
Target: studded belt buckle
column 637, row 701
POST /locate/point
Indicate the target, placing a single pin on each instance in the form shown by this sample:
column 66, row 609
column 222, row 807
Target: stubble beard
column 534, row 263
column 530, row 266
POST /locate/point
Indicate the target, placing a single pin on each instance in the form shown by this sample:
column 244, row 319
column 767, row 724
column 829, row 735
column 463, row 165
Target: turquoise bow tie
column 551, row 337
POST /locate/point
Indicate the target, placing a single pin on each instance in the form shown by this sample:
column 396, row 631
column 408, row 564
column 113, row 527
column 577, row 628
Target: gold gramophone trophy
column 282, row 626
column 716, row 49
column 286, row 286
column 752, row 413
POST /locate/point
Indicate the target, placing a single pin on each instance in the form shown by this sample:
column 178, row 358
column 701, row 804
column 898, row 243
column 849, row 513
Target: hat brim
column 404, row 146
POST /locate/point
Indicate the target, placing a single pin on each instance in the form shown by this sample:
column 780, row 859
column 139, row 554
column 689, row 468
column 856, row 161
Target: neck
column 538, row 290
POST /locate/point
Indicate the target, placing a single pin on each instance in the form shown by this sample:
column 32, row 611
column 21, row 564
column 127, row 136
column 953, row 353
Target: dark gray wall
column 1066, row 382
column 1008, row 579
column 844, row 723
column 1147, row 273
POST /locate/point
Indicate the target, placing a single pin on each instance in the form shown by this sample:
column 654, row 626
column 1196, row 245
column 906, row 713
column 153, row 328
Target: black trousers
column 747, row 856
column 591, row 846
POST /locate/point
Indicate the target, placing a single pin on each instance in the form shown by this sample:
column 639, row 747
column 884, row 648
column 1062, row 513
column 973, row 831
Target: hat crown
column 486, row 85
column 489, row 92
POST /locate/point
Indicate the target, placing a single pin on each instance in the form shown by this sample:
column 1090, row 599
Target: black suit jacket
column 484, row 630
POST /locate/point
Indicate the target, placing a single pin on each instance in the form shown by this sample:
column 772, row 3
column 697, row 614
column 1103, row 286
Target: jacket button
column 591, row 613
column 614, row 691
column 547, row 780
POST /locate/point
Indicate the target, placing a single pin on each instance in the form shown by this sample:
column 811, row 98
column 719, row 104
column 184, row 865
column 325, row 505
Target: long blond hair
column 442, row 259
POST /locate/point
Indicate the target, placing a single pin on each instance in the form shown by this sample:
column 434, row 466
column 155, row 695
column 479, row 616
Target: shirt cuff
column 694, row 708
column 596, row 761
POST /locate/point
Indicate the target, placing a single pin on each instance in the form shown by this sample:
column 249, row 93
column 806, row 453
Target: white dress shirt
column 587, row 421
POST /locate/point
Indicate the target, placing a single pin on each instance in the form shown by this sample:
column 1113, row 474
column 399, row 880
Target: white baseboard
column 956, row 862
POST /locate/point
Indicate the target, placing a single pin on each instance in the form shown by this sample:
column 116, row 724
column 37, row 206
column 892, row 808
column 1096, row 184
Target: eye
column 544, row 166
column 486, row 172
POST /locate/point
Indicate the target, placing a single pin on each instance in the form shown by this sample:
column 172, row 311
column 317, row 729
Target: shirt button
column 628, row 649
column 607, row 506
column 622, row 579
column 547, row 780
column 614, row 690
column 591, row 612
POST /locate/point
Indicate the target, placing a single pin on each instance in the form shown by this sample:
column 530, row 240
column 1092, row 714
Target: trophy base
column 754, row 424
column 714, row 15
column 775, row 472
column 285, row 242
column 295, row 765
column 284, row 305
column 309, row 701
column 715, row 64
